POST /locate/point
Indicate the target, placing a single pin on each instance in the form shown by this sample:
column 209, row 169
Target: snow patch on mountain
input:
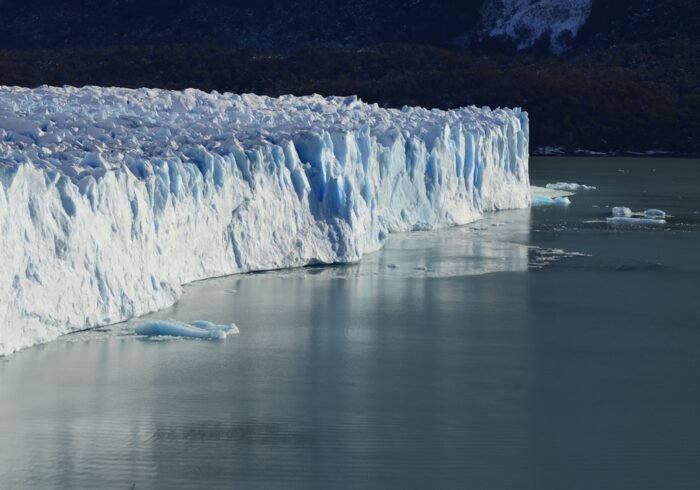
column 525, row 22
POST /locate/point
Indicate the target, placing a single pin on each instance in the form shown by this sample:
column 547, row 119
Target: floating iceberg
column 570, row 187
column 540, row 200
column 655, row 214
column 111, row 199
column 198, row 329
column 625, row 216
column 636, row 221
column 621, row 212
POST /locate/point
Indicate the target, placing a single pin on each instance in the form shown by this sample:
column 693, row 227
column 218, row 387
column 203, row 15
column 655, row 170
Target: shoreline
column 552, row 152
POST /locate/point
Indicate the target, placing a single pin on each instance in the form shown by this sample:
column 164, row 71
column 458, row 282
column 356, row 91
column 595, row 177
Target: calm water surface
column 536, row 349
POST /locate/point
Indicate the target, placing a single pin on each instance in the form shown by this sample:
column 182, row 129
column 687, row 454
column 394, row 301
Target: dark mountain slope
column 639, row 21
column 283, row 25
column 631, row 81
column 270, row 24
column 625, row 98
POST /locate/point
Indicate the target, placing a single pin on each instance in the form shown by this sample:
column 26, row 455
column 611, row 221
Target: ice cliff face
column 111, row 199
column 527, row 21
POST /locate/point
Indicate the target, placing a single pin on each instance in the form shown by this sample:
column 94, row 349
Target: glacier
column 111, row 199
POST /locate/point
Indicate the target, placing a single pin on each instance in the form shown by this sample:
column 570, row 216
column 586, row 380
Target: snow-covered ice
column 198, row 329
column 570, row 187
column 111, row 199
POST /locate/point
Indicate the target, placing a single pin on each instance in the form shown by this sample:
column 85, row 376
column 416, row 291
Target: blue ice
column 199, row 329
column 539, row 200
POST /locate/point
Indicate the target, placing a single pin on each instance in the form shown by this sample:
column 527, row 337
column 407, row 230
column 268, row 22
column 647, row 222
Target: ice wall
column 111, row 199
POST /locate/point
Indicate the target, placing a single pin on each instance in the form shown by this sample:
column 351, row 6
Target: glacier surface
column 111, row 199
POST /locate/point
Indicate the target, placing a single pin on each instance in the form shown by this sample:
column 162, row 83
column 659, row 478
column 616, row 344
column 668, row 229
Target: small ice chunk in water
column 205, row 325
column 199, row 329
column 570, row 187
column 655, row 214
column 635, row 221
column 538, row 200
column 624, row 216
column 621, row 212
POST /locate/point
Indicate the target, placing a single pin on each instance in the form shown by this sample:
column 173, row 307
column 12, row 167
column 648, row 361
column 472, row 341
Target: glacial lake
column 535, row 349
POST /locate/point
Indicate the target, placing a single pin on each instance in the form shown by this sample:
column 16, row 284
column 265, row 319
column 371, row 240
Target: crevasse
column 111, row 199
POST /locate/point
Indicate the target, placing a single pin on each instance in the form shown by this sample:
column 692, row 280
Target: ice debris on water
column 622, row 215
column 539, row 200
column 544, row 196
column 655, row 214
column 621, row 212
column 636, row 221
column 198, row 329
column 570, row 187
column 541, row 257
column 111, row 199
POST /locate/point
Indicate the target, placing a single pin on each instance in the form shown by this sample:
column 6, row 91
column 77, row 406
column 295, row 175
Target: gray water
column 536, row 349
